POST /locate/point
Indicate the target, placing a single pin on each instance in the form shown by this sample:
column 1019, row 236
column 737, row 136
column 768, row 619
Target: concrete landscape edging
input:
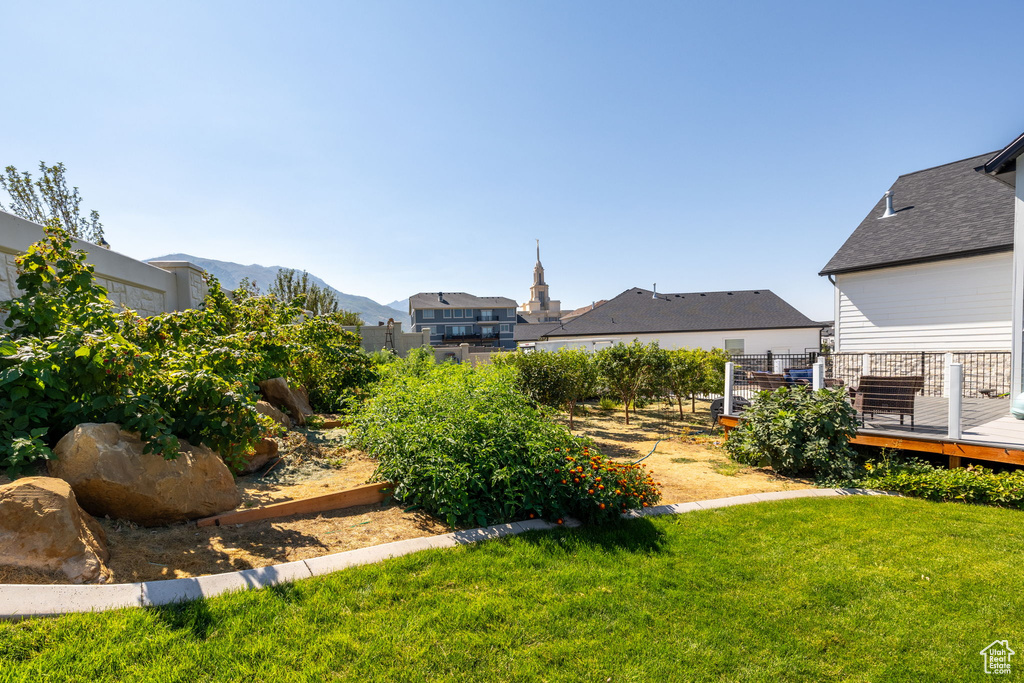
column 20, row 601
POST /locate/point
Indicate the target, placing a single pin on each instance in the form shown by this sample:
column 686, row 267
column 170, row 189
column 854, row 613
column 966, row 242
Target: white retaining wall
column 142, row 287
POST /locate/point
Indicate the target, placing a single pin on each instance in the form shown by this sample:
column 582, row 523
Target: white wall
column 374, row 337
column 962, row 304
column 145, row 288
column 789, row 340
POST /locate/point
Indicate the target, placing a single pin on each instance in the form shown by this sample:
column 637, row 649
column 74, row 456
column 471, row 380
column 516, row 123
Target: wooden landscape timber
column 339, row 500
column 954, row 450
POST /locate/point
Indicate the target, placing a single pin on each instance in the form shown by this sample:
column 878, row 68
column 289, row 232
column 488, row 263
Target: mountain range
column 230, row 274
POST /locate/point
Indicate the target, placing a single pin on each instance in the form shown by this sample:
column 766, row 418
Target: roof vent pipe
column 654, row 294
column 440, row 296
column 888, row 205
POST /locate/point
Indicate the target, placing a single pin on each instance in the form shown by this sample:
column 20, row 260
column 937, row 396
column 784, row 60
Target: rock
column 112, row 476
column 42, row 527
column 273, row 413
column 266, row 450
column 295, row 401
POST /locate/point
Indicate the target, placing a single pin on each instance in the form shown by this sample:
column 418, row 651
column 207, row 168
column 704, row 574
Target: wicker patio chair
column 887, row 396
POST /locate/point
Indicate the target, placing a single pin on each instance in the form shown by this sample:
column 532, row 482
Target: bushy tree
column 559, row 379
column 291, row 286
column 48, row 201
column 633, row 371
column 695, row 371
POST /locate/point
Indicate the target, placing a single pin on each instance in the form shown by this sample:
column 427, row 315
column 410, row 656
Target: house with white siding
column 932, row 266
column 741, row 322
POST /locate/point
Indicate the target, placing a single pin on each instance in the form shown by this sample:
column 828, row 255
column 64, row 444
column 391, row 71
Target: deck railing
column 925, row 392
column 986, row 373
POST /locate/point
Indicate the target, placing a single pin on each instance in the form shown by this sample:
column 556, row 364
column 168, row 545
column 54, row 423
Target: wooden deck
column 988, row 431
column 931, row 417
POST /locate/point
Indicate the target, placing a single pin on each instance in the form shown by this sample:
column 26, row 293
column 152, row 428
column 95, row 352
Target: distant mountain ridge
column 230, row 274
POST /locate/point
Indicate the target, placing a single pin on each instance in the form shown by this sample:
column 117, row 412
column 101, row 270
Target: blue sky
column 398, row 147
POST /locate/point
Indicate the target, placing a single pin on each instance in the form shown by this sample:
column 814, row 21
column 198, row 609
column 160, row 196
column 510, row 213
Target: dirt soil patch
column 688, row 461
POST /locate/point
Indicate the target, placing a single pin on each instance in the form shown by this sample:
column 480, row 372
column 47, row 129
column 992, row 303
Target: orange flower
column 563, row 481
column 576, row 479
column 591, row 491
column 559, row 521
column 601, row 487
column 602, row 506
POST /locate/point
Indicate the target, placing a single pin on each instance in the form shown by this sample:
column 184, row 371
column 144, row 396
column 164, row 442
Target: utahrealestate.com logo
column 997, row 657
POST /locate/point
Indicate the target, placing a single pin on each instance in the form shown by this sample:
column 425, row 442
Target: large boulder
column 42, row 527
column 265, row 451
column 112, row 476
column 273, row 413
column 295, row 401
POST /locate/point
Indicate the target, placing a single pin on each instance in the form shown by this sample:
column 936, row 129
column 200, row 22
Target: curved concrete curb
column 19, row 601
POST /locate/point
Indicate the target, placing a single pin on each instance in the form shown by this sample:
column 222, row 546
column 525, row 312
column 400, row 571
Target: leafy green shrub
column 608, row 403
column 464, row 443
column 971, row 484
column 559, row 379
column 329, row 362
column 796, row 431
column 71, row 356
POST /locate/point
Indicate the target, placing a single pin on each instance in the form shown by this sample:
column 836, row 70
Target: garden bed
column 313, row 463
column 689, row 462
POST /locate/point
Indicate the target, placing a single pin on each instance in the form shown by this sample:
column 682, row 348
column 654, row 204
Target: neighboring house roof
column 457, row 300
column 943, row 212
column 527, row 332
column 636, row 312
column 575, row 313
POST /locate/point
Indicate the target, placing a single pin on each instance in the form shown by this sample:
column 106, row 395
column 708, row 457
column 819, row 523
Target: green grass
column 727, row 468
column 853, row 589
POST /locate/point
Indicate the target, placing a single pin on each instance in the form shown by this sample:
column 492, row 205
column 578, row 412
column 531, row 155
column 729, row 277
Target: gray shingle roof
column 942, row 212
column 457, row 300
column 527, row 332
column 635, row 312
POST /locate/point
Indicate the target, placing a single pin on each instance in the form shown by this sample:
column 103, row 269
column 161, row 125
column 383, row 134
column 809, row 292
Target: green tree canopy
column 560, row 379
column 633, row 371
column 48, row 201
column 695, row 371
column 290, row 285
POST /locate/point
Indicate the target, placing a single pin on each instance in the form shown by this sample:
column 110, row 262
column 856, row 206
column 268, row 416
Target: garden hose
column 649, row 454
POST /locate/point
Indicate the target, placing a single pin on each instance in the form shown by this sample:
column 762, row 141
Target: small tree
column 48, row 201
column 559, row 379
column 685, row 375
column 289, row 285
column 633, row 370
column 579, row 372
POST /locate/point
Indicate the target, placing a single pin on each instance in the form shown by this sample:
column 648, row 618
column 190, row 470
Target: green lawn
column 857, row 589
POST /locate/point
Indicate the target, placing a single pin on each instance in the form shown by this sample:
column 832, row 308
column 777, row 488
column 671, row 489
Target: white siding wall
column 956, row 305
column 790, row 340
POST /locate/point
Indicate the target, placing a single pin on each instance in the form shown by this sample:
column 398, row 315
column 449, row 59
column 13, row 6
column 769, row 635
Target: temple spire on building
column 538, row 271
column 540, row 308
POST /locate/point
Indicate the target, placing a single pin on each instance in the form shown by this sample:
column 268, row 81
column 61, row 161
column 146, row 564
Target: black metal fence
column 986, row 373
